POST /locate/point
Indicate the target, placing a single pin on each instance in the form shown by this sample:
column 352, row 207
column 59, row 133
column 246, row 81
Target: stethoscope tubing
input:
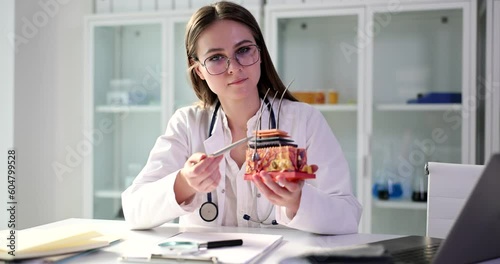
column 209, row 210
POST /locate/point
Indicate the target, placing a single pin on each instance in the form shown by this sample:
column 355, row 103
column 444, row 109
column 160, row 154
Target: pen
column 167, row 258
column 231, row 146
column 220, row 243
column 202, row 246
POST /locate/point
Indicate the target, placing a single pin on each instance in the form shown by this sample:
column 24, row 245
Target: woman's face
column 227, row 39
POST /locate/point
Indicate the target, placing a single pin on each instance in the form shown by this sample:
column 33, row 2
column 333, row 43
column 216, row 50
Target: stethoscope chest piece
column 209, row 211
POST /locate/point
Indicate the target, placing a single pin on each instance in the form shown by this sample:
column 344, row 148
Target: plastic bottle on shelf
column 380, row 187
column 419, row 188
column 387, row 186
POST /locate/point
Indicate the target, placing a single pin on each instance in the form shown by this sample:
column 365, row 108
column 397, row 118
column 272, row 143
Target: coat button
column 223, row 191
column 258, row 195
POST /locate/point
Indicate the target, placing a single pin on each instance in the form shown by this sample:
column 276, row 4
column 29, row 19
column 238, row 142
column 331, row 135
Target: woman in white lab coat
column 231, row 72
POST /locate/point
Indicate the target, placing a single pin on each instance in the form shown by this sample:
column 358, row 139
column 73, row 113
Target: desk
column 295, row 242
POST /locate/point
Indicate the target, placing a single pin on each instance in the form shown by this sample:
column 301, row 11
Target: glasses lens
column 245, row 56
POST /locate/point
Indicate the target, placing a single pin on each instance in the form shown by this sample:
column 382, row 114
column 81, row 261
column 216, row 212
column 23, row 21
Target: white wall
column 6, row 98
column 48, row 108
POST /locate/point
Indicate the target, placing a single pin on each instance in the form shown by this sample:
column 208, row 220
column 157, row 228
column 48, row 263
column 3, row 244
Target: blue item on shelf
column 394, row 190
column 437, row 98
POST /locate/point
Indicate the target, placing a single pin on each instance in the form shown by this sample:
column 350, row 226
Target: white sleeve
column 150, row 200
column 327, row 204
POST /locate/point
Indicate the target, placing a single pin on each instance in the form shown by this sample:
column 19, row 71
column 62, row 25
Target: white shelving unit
column 122, row 53
column 379, row 55
column 400, row 204
column 337, row 108
column 108, row 194
column 127, row 109
column 418, row 107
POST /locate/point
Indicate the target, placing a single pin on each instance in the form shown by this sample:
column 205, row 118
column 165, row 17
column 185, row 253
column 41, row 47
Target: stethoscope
column 209, row 210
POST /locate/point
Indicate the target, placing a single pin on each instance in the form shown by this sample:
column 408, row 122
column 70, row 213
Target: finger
column 216, row 177
column 257, row 179
column 291, row 186
column 207, row 185
column 196, row 158
column 267, row 191
column 314, row 168
column 207, row 165
column 272, row 185
column 213, row 163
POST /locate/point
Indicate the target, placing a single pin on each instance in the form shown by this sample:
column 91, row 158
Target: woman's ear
column 196, row 66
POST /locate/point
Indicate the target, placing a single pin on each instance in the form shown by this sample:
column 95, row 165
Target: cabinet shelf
column 336, row 107
column 400, row 204
column 128, row 109
column 418, row 107
column 113, row 194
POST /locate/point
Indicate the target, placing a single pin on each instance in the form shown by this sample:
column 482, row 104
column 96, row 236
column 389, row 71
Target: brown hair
column 222, row 10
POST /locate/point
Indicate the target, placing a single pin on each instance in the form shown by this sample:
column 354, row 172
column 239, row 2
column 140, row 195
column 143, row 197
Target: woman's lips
column 238, row 81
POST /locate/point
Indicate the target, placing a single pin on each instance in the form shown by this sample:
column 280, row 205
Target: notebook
column 36, row 243
column 475, row 234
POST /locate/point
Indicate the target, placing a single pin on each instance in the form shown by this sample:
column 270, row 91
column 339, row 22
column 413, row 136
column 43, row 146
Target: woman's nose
column 233, row 66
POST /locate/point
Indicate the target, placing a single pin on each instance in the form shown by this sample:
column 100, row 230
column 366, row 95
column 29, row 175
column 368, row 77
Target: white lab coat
column 327, row 204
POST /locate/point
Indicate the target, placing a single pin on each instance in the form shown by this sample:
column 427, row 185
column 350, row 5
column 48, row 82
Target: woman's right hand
column 201, row 173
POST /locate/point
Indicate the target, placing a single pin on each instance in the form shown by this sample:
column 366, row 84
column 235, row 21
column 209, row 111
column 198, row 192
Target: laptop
column 474, row 236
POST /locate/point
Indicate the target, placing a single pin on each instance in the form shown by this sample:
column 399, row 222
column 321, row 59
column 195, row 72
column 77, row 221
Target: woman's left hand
column 280, row 192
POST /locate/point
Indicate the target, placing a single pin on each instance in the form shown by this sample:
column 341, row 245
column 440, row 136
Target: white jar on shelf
column 119, row 92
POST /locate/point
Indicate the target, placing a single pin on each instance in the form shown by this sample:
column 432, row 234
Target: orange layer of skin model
column 274, row 159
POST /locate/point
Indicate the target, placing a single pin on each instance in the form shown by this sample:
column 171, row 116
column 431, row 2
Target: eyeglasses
column 245, row 56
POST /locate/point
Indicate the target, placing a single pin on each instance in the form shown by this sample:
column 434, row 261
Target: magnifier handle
column 222, row 243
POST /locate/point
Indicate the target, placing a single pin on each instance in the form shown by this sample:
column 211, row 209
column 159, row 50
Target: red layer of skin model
column 284, row 160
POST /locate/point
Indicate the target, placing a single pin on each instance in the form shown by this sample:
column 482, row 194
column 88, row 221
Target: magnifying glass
column 189, row 247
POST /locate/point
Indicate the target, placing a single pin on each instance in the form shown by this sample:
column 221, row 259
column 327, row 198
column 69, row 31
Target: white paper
column 254, row 245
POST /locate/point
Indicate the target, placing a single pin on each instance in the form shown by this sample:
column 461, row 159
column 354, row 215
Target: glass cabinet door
column 127, row 115
column 182, row 92
column 315, row 52
column 418, row 82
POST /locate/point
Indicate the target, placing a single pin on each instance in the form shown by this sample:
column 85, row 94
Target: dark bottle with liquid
column 419, row 196
column 386, row 188
column 419, row 193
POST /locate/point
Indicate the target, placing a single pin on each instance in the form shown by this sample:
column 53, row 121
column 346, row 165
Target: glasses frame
column 228, row 60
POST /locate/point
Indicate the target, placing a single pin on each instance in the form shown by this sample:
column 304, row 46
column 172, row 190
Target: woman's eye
column 243, row 50
column 216, row 58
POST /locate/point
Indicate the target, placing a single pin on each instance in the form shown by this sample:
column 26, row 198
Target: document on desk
column 36, row 243
column 254, row 247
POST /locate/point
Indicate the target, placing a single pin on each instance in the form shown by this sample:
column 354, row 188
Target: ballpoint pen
column 202, row 246
column 167, row 258
column 226, row 148
column 229, row 147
